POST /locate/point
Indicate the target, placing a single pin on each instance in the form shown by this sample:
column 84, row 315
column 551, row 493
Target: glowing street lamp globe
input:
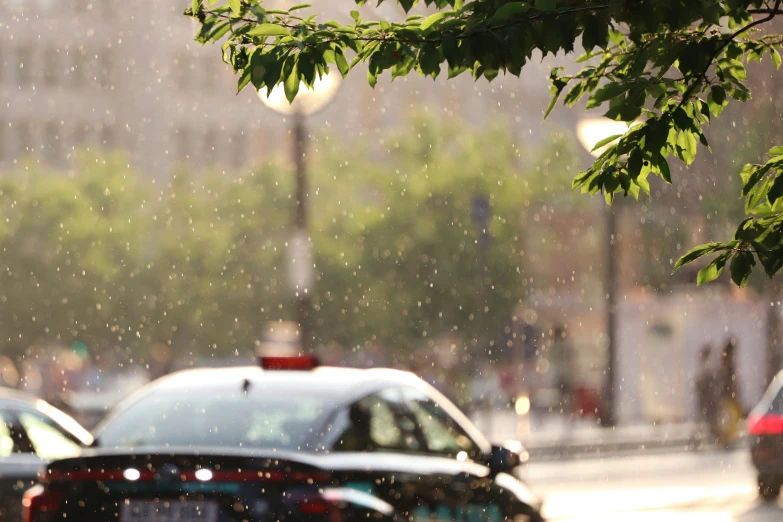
column 308, row 101
column 590, row 131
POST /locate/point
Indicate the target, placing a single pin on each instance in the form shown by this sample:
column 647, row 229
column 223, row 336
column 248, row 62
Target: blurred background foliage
column 119, row 260
column 124, row 261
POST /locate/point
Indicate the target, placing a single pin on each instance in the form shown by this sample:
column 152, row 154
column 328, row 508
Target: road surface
column 688, row 487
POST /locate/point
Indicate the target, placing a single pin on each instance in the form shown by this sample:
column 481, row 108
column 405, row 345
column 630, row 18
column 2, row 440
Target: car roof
column 345, row 383
column 17, row 398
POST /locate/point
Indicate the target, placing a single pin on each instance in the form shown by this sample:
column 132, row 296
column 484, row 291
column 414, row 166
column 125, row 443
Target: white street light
column 590, row 131
column 308, row 101
column 300, row 263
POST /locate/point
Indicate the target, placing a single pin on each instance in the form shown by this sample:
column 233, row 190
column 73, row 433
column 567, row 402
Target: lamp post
column 590, row 131
column 300, row 258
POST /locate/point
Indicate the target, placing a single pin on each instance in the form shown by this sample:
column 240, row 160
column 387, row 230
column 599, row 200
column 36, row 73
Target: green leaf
column 751, row 175
column 429, row 60
column 695, row 253
column 291, row 82
column 657, row 132
column 450, row 49
column 757, row 196
column 749, row 230
column 733, row 69
column 235, row 5
column 718, row 94
column 244, row 78
column 712, row 271
column 299, row 6
column 258, row 11
column 306, row 70
column 775, row 55
column 219, row 31
column 605, row 93
column 776, row 190
column 406, row 4
column 683, row 120
column 355, row 16
column 574, row 94
column 546, row 5
column 268, row 30
column 741, row 266
column 666, row 174
column 772, row 261
column 687, row 146
column 643, row 183
column 716, row 100
column 341, row 62
column 606, row 141
column 511, row 10
column 777, row 150
column 372, row 79
column 596, row 33
column 617, row 38
column 553, row 102
column 430, row 20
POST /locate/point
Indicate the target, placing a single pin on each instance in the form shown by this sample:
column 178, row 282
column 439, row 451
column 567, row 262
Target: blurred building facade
column 106, row 74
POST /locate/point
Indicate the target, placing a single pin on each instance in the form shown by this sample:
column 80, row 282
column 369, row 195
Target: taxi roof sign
column 297, row 362
column 281, row 348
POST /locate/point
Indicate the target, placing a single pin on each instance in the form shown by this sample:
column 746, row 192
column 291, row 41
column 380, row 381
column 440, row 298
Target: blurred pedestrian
column 728, row 371
column 560, row 356
column 706, row 397
column 730, row 409
column 161, row 361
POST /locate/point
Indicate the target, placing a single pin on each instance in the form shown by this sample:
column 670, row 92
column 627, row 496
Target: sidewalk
column 552, row 437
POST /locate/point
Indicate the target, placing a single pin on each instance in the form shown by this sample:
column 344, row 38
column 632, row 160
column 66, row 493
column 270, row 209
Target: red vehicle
column 765, row 428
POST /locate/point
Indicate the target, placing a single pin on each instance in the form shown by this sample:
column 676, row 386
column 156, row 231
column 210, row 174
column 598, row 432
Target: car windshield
column 279, row 418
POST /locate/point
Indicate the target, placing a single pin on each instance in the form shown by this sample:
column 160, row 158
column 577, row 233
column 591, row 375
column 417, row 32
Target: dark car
column 277, row 444
column 32, row 433
column 765, row 430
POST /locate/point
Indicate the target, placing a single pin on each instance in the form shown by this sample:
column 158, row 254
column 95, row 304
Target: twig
column 703, row 75
column 387, row 37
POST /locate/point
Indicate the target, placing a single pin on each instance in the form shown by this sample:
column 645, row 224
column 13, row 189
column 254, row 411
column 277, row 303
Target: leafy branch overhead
column 668, row 66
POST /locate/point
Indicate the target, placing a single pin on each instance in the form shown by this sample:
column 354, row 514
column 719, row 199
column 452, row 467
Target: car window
column 48, row 440
column 279, row 417
column 777, row 403
column 442, row 433
column 380, row 422
column 6, row 441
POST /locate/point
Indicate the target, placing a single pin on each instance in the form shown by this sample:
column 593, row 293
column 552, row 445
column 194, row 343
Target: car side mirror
column 506, row 458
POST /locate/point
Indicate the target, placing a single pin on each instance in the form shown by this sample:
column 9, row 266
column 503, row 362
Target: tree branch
column 703, row 75
column 772, row 11
column 388, row 37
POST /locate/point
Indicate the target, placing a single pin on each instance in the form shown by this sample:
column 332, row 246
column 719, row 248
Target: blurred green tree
column 403, row 257
column 71, row 245
column 403, row 253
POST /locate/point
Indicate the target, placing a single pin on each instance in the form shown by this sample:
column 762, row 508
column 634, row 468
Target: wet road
column 692, row 487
